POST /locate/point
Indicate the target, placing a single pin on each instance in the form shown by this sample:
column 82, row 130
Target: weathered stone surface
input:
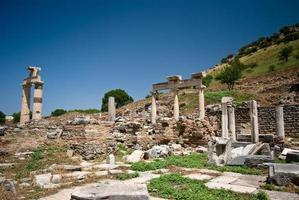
column 9, row 185
column 287, row 150
column 111, row 159
column 255, row 160
column 158, row 151
column 124, row 191
column 219, row 150
column 136, row 156
column 43, row 179
column 199, row 176
column 224, row 179
column 101, row 173
column 2, row 130
column 53, row 134
column 56, row 179
column 292, row 157
column 283, row 174
column 278, row 195
column 235, row 188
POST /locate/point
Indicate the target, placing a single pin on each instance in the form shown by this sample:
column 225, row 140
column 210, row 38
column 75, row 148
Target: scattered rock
column 158, row 151
column 43, row 179
column 53, row 134
column 136, row 156
column 9, row 185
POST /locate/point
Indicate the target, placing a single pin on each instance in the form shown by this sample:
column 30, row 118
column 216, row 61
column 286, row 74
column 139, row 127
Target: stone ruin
column 33, row 79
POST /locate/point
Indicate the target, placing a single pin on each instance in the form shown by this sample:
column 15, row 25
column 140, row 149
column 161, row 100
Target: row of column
column 176, row 107
column 37, row 102
column 228, row 121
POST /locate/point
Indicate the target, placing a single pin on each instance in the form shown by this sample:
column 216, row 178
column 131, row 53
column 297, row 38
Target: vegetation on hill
column 2, row 118
column 121, row 98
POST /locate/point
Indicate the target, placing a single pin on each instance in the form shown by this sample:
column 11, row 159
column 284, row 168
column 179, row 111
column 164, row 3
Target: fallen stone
column 224, row 179
column 199, row 176
column 115, row 171
column 104, row 166
column 69, row 167
column 255, row 160
column 56, row 178
column 9, row 185
column 124, row 191
column 286, row 151
column 234, row 188
column 278, row 195
column 292, row 157
column 78, row 175
column 136, row 156
column 42, row 180
column 283, row 174
column 158, row 151
column 101, row 173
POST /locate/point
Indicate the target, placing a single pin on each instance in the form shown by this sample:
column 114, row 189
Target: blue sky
column 88, row 47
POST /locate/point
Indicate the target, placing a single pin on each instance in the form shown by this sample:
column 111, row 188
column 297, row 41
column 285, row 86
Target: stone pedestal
column 231, row 123
column 25, row 105
column 176, row 108
column 254, row 121
column 224, row 120
column 280, row 122
column 201, row 102
column 153, row 110
column 111, row 109
column 37, row 102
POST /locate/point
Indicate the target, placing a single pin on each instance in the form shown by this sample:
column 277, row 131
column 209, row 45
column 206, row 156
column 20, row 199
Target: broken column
column 231, row 122
column 37, row 101
column 153, row 109
column 173, row 82
column 176, row 107
column 224, row 120
column 254, row 121
column 201, row 99
column 111, row 108
column 25, row 106
column 279, row 122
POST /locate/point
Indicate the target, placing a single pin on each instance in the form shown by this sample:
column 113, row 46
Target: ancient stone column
column 25, row 105
column 37, row 102
column 224, row 120
column 254, row 121
column 201, row 102
column 176, row 108
column 111, row 109
column 231, row 123
column 279, row 122
column 153, row 109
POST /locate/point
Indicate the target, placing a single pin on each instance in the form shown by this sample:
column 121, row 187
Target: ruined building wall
column 266, row 117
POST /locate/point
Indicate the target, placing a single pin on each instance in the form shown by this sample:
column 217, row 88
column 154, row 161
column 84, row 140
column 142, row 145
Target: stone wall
column 267, row 122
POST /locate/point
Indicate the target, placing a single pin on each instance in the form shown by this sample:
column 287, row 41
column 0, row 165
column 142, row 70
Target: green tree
column 2, row 118
column 285, row 53
column 207, row 80
column 58, row 112
column 121, row 98
column 231, row 74
column 16, row 117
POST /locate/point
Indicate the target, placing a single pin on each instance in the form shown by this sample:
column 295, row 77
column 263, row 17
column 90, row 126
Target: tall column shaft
column 153, row 110
column 280, row 122
column 254, row 121
column 37, row 102
column 224, row 120
column 231, row 123
column 111, row 108
column 25, row 105
column 176, row 108
column 201, row 103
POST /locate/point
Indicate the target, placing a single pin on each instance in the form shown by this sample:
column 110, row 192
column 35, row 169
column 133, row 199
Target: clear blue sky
column 88, row 47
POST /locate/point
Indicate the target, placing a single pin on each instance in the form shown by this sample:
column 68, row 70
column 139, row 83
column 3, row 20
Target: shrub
column 285, row 53
column 125, row 176
column 262, row 196
column 231, row 74
column 297, row 56
column 2, row 118
column 207, row 80
column 58, row 112
column 121, row 98
column 271, row 68
column 16, row 117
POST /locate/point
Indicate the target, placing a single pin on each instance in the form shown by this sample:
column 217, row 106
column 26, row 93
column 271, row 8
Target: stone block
column 124, row 191
column 292, row 157
column 136, row 156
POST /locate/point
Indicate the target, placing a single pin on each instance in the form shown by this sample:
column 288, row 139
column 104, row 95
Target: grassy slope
column 265, row 58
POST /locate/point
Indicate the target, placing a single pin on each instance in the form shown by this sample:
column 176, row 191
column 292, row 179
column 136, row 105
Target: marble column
column 37, row 102
column 201, row 102
column 25, row 105
column 153, row 109
column 176, row 108
column 280, row 122
column 254, row 122
column 111, row 108
column 231, row 123
column 224, row 120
